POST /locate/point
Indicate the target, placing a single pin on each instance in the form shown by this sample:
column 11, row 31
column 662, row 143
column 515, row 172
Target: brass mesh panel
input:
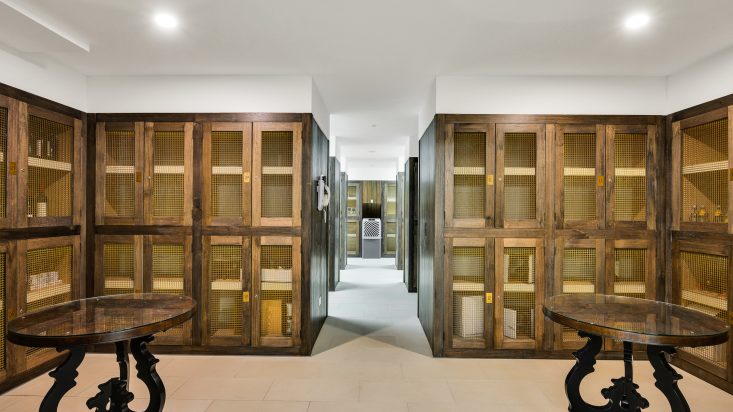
column 579, row 181
column 226, row 177
column 468, row 175
column 276, row 303
column 50, row 154
column 352, row 201
column 168, row 173
column 705, row 172
column 49, row 273
column 630, row 177
column 225, row 300
column 277, row 174
column 3, row 297
column 119, row 180
column 3, row 161
column 168, row 276
column 119, row 268
column 390, row 231
column 705, row 288
column 520, row 176
column 630, row 272
column 578, row 276
column 468, row 293
column 391, row 200
column 352, row 238
column 519, row 292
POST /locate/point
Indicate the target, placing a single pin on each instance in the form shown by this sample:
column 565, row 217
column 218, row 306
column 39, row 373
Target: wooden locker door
column 120, row 158
column 9, row 123
column 579, row 162
column 630, row 176
column 276, row 174
column 519, row 294
column 227, row 165
column 168, row 179
column 468, row 293
column 119, row 265
column 469, row 175
column 520, row 175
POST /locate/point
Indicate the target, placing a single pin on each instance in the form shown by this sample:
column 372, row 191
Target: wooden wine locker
column 226, row 302
column 353, row 215
column 8, row 156
column 389, row 219
column 119, row 265
column 4, row 306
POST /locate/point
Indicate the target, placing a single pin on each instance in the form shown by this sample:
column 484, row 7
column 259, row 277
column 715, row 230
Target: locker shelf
column 273, row 170
column 467, row 278
column 49, row 164
column 163, row 283
column 710, row 299
column 519, row 287
column 520, row 171
column 578, row 287
column 469, row 166
column 58, row 289
column 630, row 172
column 226, row 170
column 580, row 171
column 635, row 288
column 115, row 282
column 467, row 286
column 226, row 284
column 469, row 171
column 120, row 170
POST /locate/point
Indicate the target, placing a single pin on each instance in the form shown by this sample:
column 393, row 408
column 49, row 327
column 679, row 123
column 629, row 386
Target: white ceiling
column 374, row 61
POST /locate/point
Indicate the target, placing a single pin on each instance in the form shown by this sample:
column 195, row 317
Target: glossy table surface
column 636, row 320
column 100, row 320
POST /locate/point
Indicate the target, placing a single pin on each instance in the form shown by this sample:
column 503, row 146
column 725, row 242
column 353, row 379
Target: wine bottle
column 41, row 203
column 718, row 215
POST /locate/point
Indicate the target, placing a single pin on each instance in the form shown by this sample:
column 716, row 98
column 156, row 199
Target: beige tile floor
column 371, row 356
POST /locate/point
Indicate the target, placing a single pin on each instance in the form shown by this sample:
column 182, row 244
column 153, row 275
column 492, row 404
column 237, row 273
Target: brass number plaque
column 490, row 180
column 489, row 297
column 245, row 297
column 600, row 181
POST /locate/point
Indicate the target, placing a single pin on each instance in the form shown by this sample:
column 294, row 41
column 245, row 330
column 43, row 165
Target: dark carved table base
column 114, row 395
column 622, row 395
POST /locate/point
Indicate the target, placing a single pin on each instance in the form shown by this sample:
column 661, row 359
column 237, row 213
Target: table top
column 99, row 320
column 636, row 320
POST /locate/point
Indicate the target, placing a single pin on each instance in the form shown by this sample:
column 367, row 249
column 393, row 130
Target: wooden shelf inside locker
column 226, row 170
column 465, row 286
column 630, row 172
column 227, row 285
column 47, row 292
column 579, row 171
column 578, row 287
column 49, row 164
column 519, row 288
column 629, row 287
column 276, row 286
column 168, row 283
column 168, row 170
column 705, row 167
column 120, row 170
column 469, row 171
column 520, row 171
column 272, row 170
column 709, row 299
column 118, row 282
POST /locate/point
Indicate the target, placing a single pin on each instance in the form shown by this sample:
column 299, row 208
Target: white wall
column 38, row 75
column 703, row 81
column 426, row 115
column 551, row 95
column 358, row 169
column 320, row 111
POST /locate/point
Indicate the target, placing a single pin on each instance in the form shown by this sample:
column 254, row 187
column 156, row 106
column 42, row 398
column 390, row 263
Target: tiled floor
column 371, row 356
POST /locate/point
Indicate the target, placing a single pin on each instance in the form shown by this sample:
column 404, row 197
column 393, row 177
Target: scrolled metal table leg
column 115, row 392
column 586, row 358
column 666, row 377
column 64, row 378
column 146, row 372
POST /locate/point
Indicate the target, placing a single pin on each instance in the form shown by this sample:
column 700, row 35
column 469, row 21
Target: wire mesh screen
column 226, row 174
column 391, row 200
column 390, row 242
column 578, row 276
column 119, row 180
column 705, row 287
column 50, row 154
column 168, row 173
column 519, row 292
column 3, row 299
column 520, row 176
column 630, row 177
column 225, row 299
column 630, row 272
column 49, row 273
column 276, row 289
column 352, row 238
column 468, row 293
column 705, row 172
column 3, row 161
column 277, row 174
column 469, row 189
column 579, row 177
column 168, row 276
column 371, row 228
column 119, row 267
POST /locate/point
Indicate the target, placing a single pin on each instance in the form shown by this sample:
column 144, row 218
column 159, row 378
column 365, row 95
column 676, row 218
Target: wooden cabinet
column 353, row 200
column 227, row 165
column 469, row 290
column 389, row 219
column 519, row 293
column 701, row 188
column 227, row 291
column 8, row 155
column 630, row 268
column 119, row 265
column 276, row 174
column 353, row 243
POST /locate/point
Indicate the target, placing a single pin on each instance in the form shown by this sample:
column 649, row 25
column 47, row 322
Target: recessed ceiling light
column 166, row 21
column 637, row 21
column 372, row 151
column 374, row 125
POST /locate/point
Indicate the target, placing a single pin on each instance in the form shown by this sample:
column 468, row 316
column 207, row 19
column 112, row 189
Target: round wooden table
column 129, row 321
column 660, row 326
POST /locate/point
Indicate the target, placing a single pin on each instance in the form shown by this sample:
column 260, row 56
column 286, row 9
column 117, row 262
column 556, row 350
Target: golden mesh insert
column 705, row 285
column 119, row 268
column 276, row 291
column 225, row 299
column 579, row 176
column 49, row 273
column 277, row 174
column 630, row 177
column 352, row 238
column 519, row 292
column 391, row 200
column 630, row 272
column 520, row 176
column 226, row 174
column 3, row 161
column 468, row 293
column 119, row 179
column 390, row 233
column 168, row 173
column 705, row 172
column 3, row 298
column 50, row 158
column 469, row 191
column 352, row 201
column 578, row 276
column 168, row 276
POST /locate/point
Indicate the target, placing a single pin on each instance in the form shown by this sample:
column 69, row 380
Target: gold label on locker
column 246, row 177
column 245, row 297
column 12, row 168
column 600, row 181
column 489, row 297
column 490, row 180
